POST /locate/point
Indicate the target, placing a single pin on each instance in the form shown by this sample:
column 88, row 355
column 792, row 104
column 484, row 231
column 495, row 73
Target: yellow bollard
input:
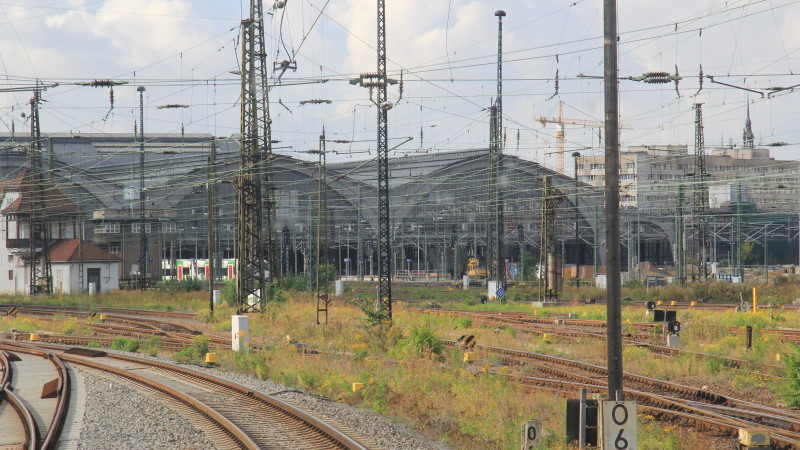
column 211, row 358
column 777, row 357
column 469, row 357
column 102, row 317
column 34, row 337
column 358, row 386
column 659, row 303
column 673, row 303
column 755, row 301
column 693, row 304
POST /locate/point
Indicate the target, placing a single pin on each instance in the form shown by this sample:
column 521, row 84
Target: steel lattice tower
column 496, row 148
column 41, row 281
column 384, row 225
column 700, row 194
column 254, row 200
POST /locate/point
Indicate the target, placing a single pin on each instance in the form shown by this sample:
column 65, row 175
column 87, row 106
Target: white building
column 67, row 253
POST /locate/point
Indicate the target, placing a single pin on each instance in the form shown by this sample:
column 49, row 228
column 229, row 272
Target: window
column 10, row 274
column 169, row 227
column 113, row 248
column 10, row 258
column 137, row 228
column 597, row 166
column 107, row 227
column 630, row 165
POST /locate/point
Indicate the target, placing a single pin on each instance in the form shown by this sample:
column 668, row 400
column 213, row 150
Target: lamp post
column 575, row 156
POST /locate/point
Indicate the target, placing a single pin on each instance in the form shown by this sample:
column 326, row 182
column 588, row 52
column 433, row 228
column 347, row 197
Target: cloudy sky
column 182, row 51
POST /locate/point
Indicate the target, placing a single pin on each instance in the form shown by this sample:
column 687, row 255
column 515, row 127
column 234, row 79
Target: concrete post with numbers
column 531, row 434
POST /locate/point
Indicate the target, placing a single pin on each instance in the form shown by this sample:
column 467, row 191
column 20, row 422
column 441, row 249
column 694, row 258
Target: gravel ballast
column 119, row 416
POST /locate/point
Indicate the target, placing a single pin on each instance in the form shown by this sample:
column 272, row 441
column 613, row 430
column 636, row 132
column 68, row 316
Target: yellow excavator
column 474, row 271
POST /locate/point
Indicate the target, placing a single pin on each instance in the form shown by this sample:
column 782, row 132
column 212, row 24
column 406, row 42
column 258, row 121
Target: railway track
column 236, row 416
column 174, row 336
column 595, row 329
column 668, row 401
column 40, row 402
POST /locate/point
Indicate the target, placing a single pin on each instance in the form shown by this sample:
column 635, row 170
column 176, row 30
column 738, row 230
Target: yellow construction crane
column 561, row 121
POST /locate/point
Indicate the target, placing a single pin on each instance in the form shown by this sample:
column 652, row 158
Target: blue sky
column 183, row 51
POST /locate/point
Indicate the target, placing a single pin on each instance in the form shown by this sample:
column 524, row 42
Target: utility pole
column 700, row 193
column 575, row 156
column 521, row 241
column 491, row 189
column 738, row 233
column 212, row 192
column 680, row 262
column 614, row 291
column 359, row 240
column 143, row 275
column 254, row 254
column 322, row 296
column 41, row 280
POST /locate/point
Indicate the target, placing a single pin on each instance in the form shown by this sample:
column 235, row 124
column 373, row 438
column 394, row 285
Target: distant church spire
column 747, row 134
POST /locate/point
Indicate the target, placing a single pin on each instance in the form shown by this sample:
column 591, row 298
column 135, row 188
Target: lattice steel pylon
column 254, row 196
column 384, row 225
column 497, row 166
column 700, row 195
column 41, row 281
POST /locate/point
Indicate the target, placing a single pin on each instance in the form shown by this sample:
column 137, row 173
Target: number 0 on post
column 619, row 425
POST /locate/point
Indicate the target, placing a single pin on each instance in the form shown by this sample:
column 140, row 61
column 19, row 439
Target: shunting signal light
column 674, row 326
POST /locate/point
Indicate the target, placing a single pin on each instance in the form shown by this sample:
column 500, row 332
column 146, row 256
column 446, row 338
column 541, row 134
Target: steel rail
column 28, row 422
column 65, row 385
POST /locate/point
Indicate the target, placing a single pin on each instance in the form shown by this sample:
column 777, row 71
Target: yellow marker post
column 755, row 301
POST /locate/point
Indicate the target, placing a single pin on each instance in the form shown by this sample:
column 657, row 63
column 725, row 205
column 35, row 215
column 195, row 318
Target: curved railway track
column 33, row 402
column 240, row 417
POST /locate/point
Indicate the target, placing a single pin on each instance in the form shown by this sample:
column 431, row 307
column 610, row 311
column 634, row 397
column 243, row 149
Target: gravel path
column 119, row 416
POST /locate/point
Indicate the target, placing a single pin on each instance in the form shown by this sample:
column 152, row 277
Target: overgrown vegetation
column 126, row 344
column 196, row 352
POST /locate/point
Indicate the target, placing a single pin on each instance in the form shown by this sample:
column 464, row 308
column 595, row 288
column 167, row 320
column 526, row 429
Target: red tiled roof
column 55, row 202
column 66, row 250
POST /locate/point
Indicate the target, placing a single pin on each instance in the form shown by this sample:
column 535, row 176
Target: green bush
column 463, row 322
column 228, row 293
column 425, row 341
column 196, row 351
column 791, row 392
column 128, row 345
